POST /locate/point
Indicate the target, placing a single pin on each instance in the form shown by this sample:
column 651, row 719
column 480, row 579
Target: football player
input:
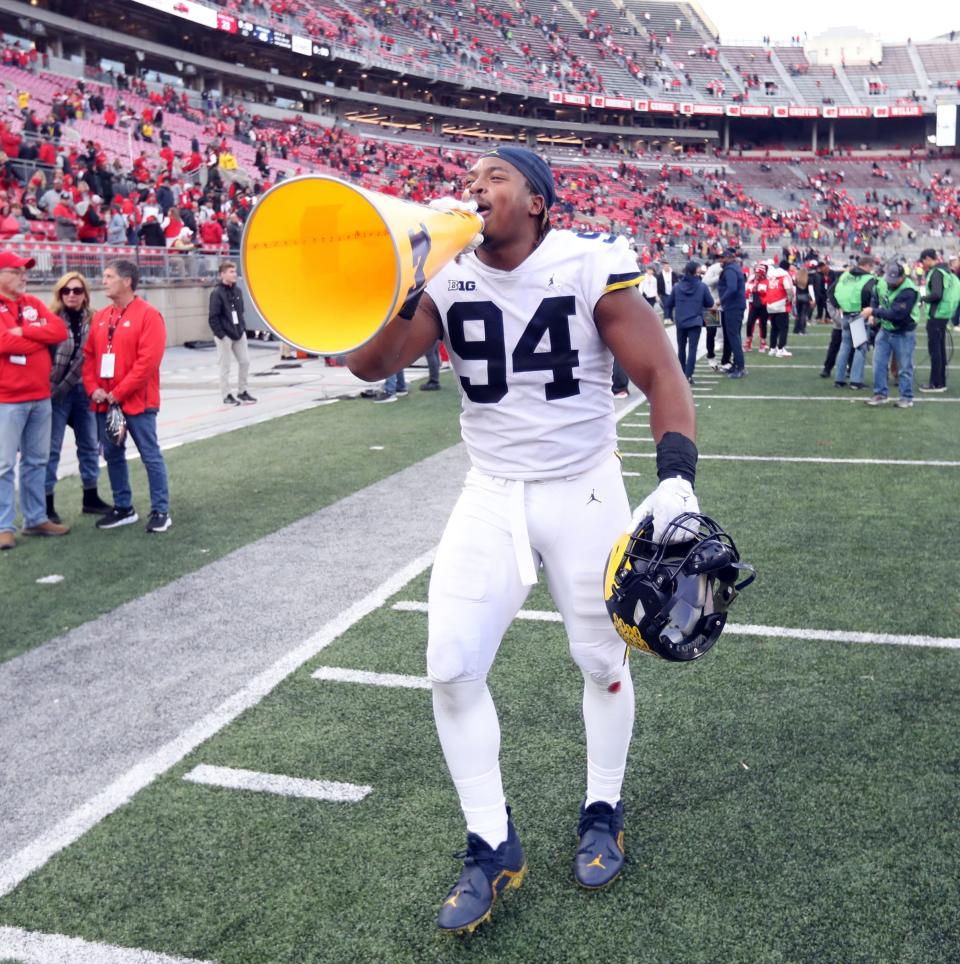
column 532, row 318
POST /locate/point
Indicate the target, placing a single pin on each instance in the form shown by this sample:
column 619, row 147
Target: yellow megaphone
column 328, row 264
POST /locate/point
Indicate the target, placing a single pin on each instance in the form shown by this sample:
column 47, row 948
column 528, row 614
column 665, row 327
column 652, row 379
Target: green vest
column 951, row 293
column 886, row 295
column 849, row 291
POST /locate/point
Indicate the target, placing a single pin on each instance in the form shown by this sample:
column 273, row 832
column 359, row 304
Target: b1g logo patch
column 461, row 286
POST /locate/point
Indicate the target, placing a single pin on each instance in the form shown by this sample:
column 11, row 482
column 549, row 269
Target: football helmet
column 670, row 597
column 116, row 424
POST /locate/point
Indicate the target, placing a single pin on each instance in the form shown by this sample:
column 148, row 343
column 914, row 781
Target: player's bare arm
column 631, row 329
column 398, row 344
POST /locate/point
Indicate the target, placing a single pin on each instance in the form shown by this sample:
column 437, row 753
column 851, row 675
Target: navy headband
column 532, row 167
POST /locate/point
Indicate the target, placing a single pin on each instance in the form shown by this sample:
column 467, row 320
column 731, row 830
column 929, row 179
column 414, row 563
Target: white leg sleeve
column 469, row 734
column 608, row 720
column 576, row 523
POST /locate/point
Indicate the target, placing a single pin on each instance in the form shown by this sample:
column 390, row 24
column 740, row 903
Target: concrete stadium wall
column 183, row 306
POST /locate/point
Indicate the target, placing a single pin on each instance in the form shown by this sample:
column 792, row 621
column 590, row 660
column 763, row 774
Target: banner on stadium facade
column 186, row 9
column 611, row 103
column 906, row 110
column 302, row 45
column 645, row 105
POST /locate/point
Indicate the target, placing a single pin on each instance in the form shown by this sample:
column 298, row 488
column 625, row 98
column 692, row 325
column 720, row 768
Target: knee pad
column 600, row 660
column 458, row 696
column 452, row 658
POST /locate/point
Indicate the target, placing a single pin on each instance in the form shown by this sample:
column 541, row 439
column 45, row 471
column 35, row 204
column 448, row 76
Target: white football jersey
column 534, row 374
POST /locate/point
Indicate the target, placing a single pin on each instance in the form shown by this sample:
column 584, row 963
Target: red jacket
column 41, row 327
column 139, row 339
column 211, row 233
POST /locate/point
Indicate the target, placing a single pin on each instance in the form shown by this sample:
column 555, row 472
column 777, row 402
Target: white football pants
column 499, row 531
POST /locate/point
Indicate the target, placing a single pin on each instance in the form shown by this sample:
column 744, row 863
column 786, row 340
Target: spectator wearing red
column 27, row 330
column 172, row 226
column 133, row 335
column 211, row 234
column 9, row 226
column 92, row 228
column 109, row 117
column 166, row 152
column 9, row 141
column 65, row 217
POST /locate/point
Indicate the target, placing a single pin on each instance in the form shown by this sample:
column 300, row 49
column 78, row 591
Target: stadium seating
column 587, row 47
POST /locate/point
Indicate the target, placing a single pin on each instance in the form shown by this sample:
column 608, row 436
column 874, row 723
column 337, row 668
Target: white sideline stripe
column 748, row 629
column 843, row 636
column 851, row 397
column 17, row 868
column 33, row 947
column 535, row 615
column 232, row 778
column 337, row 675
column 937, row 463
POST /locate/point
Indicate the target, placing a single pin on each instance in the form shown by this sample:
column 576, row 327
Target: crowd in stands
column 189, row 193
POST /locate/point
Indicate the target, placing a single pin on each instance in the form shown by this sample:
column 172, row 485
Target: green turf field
column 225, row 492
column 787, row 800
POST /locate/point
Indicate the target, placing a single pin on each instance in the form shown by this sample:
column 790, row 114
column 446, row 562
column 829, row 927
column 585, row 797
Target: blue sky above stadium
column 740, row 21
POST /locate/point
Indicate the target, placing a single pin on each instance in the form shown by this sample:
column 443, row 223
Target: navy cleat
column 599, row 858
column 486, row 874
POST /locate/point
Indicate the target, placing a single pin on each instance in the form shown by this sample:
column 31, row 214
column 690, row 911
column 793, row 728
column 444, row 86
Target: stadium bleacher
column 601, row 47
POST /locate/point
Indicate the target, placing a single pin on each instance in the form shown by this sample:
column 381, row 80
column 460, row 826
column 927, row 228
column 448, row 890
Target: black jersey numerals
column 551, row 317
column 490, row 348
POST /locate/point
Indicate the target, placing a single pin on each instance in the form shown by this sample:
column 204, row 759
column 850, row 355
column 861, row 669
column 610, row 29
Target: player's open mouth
column 483, row 210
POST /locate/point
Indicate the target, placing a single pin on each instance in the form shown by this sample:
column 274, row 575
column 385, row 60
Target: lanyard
column 113, row 327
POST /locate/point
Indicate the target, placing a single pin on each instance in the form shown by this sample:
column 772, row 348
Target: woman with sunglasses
column 71, row 406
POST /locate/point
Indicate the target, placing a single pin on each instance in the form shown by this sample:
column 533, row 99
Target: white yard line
column 624, row 438
column 843, row 636
column 851, row 397
column 17, row 868
column 232, row 778
column 935, row 463
column 746, row 629
column 32, row 947
column 334, row 674
column 534, row 615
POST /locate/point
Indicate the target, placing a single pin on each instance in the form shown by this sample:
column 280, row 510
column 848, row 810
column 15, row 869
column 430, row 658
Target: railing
column 54, row 259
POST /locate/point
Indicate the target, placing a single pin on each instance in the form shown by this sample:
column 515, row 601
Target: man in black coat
column 733, row 305
column 229, row 332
